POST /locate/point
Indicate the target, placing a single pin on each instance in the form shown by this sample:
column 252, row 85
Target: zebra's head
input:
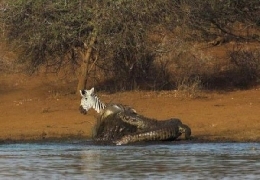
column 90, row 100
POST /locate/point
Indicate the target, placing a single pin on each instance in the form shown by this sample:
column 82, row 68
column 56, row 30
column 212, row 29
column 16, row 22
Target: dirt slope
column 35, row 108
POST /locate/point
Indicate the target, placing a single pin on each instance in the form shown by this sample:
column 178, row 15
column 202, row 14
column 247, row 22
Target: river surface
column 83, row 160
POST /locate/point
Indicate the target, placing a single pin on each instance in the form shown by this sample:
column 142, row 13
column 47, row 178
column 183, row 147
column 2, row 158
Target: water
column 83, row 160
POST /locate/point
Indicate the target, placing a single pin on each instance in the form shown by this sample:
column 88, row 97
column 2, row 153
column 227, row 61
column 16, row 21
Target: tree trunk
column 86, row 55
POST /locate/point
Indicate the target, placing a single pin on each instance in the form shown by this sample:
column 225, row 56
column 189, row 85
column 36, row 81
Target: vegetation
column 234, row 19
column 123, row 44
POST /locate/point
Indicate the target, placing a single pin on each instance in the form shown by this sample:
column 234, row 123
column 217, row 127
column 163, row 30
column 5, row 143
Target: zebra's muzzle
column 82, row 110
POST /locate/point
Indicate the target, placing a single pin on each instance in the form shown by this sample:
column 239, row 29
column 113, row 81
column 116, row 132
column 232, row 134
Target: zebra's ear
column 91, row 90
column 82, row 92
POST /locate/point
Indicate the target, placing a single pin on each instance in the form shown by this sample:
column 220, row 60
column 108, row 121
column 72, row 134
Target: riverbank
column 36, row 109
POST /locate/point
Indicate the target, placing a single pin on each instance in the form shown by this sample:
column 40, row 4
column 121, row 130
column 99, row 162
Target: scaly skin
column 144, row 123
column 125, row 126
column 112, row 128
column 159, row 134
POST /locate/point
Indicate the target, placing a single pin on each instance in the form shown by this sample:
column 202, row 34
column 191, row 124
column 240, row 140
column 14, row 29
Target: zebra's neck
column 98, row 105
column 105, row 111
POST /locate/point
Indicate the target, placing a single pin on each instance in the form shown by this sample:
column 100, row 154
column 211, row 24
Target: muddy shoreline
column 35, row 110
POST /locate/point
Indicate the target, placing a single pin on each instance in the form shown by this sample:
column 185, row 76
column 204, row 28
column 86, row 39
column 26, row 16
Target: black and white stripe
column 90, row 100
column 98, row 105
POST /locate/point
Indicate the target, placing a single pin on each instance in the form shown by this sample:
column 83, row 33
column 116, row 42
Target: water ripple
column 165, row 161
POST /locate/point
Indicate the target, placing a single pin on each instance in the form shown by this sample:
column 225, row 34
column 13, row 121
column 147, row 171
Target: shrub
column 246, row 66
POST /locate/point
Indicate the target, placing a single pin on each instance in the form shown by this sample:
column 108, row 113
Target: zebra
column 90, row 100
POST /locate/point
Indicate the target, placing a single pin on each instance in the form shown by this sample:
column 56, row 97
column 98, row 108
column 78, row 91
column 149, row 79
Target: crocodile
column 145, row 123
column 125, row 127
column 109, row 127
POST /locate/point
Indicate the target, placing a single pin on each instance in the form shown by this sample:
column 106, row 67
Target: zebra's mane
column 98, row 105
